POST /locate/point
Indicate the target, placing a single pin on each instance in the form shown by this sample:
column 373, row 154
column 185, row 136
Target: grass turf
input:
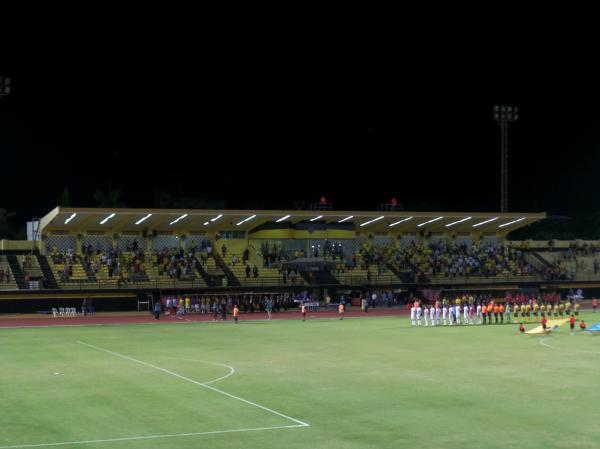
column 360, row 383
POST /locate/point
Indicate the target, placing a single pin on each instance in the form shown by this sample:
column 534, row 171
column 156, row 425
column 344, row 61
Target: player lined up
column 463, row 313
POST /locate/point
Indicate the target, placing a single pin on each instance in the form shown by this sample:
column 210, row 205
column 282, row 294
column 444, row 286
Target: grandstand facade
column 85, row 249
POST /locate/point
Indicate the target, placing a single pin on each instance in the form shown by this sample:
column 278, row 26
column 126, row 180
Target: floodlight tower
column 4, row 86
column 504, row 115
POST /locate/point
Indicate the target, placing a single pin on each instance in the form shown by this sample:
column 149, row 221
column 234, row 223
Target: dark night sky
column 266, row 131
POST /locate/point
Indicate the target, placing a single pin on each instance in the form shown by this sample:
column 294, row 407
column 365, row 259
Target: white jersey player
column 466, row 314
column 478, row 313
column 426, row 315
column 457, row 314
column 413, row 315
column 432, row 315
column 437, row 315
column 450, row 314
column 419, row 312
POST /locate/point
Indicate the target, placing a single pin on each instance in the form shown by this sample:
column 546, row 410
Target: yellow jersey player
column 561, row 309
column 576, row 308
column 536, row 307
column 517, row 309
column 568, row 308
column 555, row 310
column 543, row 309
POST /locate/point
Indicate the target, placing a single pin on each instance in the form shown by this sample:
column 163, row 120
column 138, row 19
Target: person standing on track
column 303, row 311
column 157, row 310
column 341, row 311
column 215, row 308
column 269, row 308
column 236, row 312
column 224, row 310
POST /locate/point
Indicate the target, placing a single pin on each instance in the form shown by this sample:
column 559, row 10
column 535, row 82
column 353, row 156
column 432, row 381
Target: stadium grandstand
column 93, row 252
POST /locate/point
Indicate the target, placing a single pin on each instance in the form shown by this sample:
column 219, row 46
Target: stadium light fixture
column 108, row 218
column 70, row 218
column 429, row 221
column 512, row 222
column 283, row 218
column 457, row 222
column 316, row 218
column 141, row 220
column 372, row 221
column 206, row 223
column 245, row 220
column 401, row 221
column 346, row 219
column 504, row 115
column 486, row 221
column 177, row 219
column 216, row 218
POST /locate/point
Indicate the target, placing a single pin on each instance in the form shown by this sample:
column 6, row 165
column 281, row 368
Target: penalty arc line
column 543, row 343
column 230, row 373
column 187, row 379
column 151, row 437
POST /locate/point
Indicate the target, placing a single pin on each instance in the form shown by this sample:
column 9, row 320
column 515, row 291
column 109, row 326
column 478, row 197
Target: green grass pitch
column 357, row 384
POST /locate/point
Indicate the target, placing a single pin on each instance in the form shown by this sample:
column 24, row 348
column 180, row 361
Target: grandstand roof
column 186, row 220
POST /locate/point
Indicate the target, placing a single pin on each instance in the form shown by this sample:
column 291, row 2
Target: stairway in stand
column 17, row 271
column 50, row 280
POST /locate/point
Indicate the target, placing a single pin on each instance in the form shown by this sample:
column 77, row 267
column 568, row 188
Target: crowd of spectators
column 574, row 260
column 177, row 264
column 452, row 260
column 271, row 252
column 248, row 303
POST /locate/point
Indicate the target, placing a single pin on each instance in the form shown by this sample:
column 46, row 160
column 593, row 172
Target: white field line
column 175, row 435
column 242, row 321
column 543, row 343
column 147, row 437
column 187, row 379
column 230, row 373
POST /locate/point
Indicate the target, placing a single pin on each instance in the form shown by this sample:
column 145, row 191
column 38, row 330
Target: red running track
column 147, row 318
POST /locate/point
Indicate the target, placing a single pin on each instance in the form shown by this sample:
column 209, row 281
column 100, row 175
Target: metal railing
column 176, row 284
column 343, row 280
